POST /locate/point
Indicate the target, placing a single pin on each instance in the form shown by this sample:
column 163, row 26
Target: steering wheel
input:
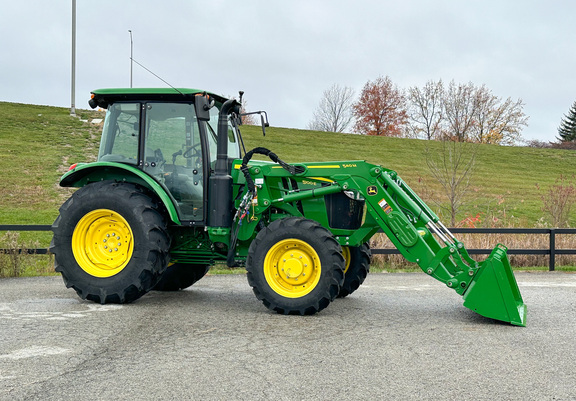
column 188, row 153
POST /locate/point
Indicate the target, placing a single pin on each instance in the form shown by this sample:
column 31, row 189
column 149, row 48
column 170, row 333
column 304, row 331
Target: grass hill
column 508, row 183
column 38, row 143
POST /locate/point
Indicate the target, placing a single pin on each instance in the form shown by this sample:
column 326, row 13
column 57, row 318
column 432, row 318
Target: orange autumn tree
column 381, row 109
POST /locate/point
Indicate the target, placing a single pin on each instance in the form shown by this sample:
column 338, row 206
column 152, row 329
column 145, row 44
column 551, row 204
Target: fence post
column 552, row 249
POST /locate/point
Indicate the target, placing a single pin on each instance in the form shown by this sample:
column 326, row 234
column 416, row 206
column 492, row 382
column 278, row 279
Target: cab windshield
column 212, row 125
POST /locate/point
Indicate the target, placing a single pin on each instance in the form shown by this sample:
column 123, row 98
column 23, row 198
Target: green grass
column 504, row 182
column 39, row 143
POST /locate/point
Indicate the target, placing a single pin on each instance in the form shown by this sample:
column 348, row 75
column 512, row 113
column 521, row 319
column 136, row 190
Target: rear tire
column 295, row 266
column 111, row 242
column 356, row 269
column 180, row 275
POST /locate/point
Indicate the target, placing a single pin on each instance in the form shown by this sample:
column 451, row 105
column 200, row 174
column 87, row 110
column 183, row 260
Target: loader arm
column 489, row 288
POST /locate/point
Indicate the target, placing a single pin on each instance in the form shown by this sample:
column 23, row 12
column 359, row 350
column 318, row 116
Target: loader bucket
column 494, row 292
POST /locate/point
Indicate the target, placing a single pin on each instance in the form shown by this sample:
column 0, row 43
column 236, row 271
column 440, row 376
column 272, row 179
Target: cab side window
column 120, row 134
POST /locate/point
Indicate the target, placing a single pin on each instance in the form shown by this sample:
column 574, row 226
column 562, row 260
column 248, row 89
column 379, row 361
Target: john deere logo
column 372, row 190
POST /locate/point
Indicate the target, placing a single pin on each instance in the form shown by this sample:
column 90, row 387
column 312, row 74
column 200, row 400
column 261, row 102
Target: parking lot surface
column 401, row 336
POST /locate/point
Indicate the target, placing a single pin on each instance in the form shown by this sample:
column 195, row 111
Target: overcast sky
column 284, row 54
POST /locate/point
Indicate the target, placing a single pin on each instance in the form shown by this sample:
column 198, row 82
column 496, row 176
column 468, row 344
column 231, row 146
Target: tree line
column 453, row 111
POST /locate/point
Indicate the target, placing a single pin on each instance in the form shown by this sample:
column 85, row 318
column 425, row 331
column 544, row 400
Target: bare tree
column 426, row 110
column 497, row 121
column 250, row 119
column 452, row 165
column 381, row 109
column 334, row 113
column 460, row 109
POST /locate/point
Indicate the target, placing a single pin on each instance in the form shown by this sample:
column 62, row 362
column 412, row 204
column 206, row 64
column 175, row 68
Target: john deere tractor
column 174, row 191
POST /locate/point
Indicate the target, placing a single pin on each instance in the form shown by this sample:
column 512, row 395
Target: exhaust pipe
column 220, row 183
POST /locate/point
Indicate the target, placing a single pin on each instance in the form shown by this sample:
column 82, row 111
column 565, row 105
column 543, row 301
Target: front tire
column 111, row 242
column 295, row 266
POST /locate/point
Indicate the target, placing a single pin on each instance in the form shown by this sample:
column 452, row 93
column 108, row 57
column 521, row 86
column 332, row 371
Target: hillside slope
column 38, row 143
column 507, row 184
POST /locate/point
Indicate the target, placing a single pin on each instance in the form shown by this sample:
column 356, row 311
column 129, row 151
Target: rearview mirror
column 263, row 119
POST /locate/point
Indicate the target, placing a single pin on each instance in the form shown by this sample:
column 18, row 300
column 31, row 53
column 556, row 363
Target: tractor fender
column 86, row 173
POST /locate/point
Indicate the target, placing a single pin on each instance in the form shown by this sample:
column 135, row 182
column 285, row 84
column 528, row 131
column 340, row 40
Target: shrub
column 11, row 255
column 559, row 199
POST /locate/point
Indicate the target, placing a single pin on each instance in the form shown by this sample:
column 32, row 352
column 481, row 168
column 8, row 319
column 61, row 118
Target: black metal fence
column 32, row 227
column 551, row 251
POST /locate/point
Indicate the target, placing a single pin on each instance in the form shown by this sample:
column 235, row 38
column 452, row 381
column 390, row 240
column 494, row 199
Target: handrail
column 552, row 251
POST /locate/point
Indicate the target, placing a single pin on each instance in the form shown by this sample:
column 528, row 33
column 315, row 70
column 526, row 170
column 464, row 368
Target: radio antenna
column 156, row 76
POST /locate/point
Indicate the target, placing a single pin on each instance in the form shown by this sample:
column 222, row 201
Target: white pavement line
column 546, row 285
column 34, row 351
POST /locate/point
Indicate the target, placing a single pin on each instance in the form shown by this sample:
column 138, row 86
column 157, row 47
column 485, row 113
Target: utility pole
column 73, row 90
column 131, row 56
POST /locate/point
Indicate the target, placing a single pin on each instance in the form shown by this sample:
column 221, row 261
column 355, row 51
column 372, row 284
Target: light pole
column 73, row 90
column 131, row 55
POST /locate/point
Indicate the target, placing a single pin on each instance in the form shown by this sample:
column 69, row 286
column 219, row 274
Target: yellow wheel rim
column 346, row 254
column 292, row 268
column 102, row 243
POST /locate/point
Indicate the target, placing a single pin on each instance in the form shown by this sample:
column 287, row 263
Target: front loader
column 174, row 191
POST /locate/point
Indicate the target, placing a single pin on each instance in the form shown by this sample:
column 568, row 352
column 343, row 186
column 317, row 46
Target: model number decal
column 349, row 165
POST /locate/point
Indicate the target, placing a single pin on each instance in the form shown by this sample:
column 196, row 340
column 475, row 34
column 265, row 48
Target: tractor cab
column 161, row 132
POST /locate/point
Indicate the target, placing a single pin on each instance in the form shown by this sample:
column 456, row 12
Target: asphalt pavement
column 401, row 336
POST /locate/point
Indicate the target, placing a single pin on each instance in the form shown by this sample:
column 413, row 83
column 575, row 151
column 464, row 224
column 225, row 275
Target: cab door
column 172, row 154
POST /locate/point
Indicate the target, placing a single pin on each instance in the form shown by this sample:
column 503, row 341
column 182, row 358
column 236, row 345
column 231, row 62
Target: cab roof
column 104, row 97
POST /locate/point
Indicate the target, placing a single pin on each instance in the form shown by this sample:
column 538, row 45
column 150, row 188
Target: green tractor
column 174, row 191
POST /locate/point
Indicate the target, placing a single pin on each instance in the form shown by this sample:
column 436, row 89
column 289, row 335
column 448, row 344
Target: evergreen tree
column 567, row 129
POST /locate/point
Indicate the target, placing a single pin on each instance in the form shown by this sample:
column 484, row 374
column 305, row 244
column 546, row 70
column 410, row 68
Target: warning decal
column 385, row 206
